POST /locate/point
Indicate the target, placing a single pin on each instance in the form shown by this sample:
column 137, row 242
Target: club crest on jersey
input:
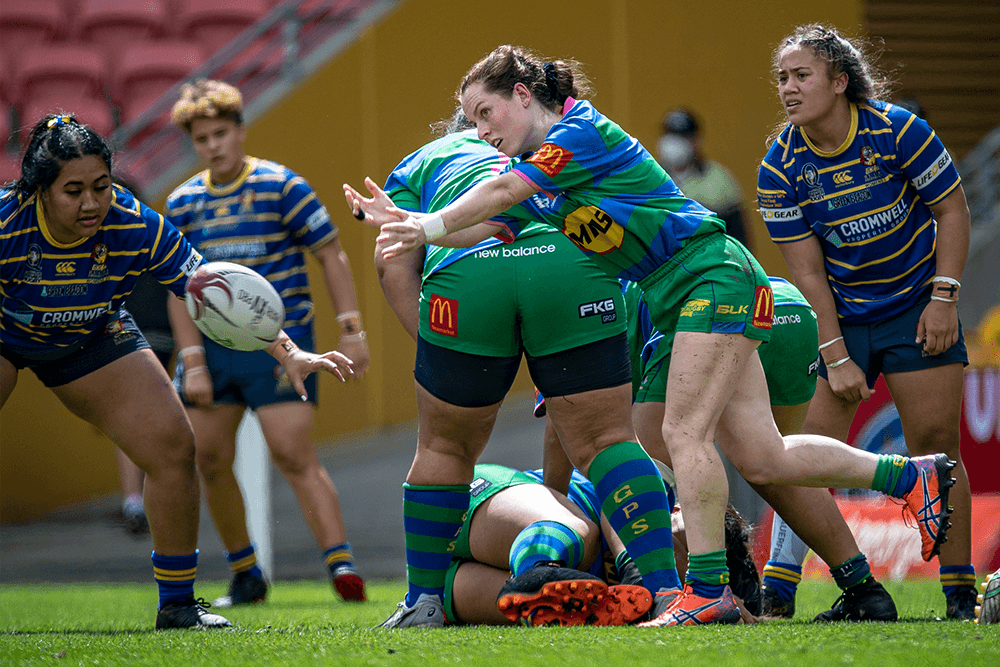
column 246, row 201
column 593, row 230
column 551, row 159
column 443, row 315
column 867, row 155
column 810, row 174
column 99, row 257
column 34, row 261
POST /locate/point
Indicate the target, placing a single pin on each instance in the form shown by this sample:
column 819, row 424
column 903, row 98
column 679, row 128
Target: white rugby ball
column 234, row 306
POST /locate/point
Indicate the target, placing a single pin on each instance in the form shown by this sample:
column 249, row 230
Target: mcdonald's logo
column 763, row 307
column 551, row 159
column 443, row 315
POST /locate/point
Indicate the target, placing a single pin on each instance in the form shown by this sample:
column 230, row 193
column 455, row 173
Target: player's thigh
column 591, row 421
column 287, row 429
column 790, row 418
column 829, row 414
column 564, row 299
column 647, row 418
column 215, row 429
column 929, row 402
column 474, row 590
column 132, row 401
column 498, row 521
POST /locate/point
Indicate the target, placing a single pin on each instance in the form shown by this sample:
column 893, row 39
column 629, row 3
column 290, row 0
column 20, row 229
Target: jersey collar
column 851, row 133
column 229, row 188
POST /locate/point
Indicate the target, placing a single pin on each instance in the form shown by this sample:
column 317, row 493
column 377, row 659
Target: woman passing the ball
column 263, row 216
column 72, row 246
column 706, row 294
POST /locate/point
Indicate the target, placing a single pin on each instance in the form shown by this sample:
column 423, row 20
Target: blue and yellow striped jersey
column 55, row 295
column 265, row 219
column 868, row 202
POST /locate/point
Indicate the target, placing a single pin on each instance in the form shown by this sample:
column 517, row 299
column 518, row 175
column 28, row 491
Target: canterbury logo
column 66, row 267
column 843, row 178
column 443, row 315
column 763, row 307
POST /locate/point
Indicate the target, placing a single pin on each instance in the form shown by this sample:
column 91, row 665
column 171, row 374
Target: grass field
column 303, row 624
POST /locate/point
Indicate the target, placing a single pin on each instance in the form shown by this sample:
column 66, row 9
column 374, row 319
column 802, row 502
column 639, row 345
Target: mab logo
column 443, row 315
column 593, row 230
column 551, row 159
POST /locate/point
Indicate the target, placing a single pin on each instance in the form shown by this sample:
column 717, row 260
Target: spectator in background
column 262, row 215
column 706, row 181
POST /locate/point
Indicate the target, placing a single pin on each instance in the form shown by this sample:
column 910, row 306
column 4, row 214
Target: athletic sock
column 782, row 578
column 707, row 574
column 634, row 499
column 786, row 546
column 545, row 541
column 175, row 576
column 432, row 520
column 851, row 572
column 245, row 560
column 954, row 577
column 895, row 475
column 338, row 556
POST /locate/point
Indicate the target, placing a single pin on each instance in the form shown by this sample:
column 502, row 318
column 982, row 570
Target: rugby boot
column 548, row 594
column 927, row 501
column 190, row 613
column 690, row 609
column 962, row 604
column 243, row 589
column 623, row 605
column 426, row 612
column 988, row 607
column 349, row 584
column 868, row 601
column 774, row 606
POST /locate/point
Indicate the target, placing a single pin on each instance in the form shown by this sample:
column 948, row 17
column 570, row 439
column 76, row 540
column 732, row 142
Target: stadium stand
column 214, row 23
column 88, row 110
column 24, row 23
column 61, row 73
column 149, row 70
column 114, row 25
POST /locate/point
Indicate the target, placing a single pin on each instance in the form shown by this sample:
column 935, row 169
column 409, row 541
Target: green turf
column 303, row 624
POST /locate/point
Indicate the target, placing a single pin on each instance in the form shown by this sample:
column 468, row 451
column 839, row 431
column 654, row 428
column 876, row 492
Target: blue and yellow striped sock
column 708, row 574
column 545, row 541
column 175, row 576
column 852, row 572
column 895, row 475
column 782, row 578
column 634, row 499
column 339, row 555
column 245, row 560
column 432, row 520
column 955, row 576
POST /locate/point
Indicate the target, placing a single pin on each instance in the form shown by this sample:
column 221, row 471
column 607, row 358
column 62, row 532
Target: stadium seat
column 10, row 168
column 214, row 23
column 25, row 23
column 148, row 70
column 4, row 126
column 90, row 111
column 113, row 25
column 59, row 74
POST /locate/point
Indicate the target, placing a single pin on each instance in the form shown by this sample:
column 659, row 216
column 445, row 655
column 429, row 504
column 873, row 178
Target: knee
column 290, row 465
column 938, row 439
column 757, row 470
column 173, row 450
column 212, row 464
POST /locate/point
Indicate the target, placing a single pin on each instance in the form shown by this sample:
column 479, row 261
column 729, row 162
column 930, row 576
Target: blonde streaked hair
column 207, row 98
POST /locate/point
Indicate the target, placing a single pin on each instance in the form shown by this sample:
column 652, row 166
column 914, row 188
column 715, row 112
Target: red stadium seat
column 59, row 74
column 4, row 127
column 214, row 23
column 90, row 111
column 26, row 23
column 148, row 70
column 113, row 25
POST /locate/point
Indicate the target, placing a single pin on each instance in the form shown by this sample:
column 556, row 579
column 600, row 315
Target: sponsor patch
column 693, row 307
column 443, row 315
column 317, row 219
column 842, row 178
column 777, row 214
column 593, row 230
column 848, row 199
column 191, row 263
column 813, row 367
column 478, row 486
column 551, row 159
column 605, row 308
column 763, row 307
column 64, row 290
column 932, row 171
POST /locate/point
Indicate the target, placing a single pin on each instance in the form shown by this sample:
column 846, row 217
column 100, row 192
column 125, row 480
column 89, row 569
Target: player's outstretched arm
column 299, row 364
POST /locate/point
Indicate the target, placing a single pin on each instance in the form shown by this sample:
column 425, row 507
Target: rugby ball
column 234, row 306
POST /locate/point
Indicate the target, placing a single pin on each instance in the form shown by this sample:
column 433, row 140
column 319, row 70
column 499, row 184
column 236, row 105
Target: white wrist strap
column 946, row 279
column 830, row 342
column 434, row 228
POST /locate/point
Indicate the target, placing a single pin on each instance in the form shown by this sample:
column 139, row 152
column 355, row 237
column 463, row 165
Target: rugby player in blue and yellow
column 72, row 246
column 264, row 216
column 706, row 293
column 867, row 208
